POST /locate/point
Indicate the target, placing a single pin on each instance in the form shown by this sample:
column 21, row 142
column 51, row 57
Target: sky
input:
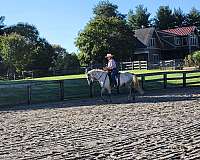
column 59, row 21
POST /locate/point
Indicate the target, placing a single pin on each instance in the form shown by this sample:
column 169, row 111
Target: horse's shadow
column 155, row 96
column 170, row 95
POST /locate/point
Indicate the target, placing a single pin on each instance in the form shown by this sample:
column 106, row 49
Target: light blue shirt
column 112, row 64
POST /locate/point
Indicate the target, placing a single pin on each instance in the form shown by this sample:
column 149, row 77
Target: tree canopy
column 103, row 35
column 164, row 18
column 179, row 18
column 15, row 52
column 193, row 18
column 2, row 18
column 64, row 60
column 105, row 9
column 140, row 18
column 30, row 32
column 106, row 32
column 21, row 49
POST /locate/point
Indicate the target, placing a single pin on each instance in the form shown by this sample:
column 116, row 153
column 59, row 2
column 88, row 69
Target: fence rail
column 134, row 65
column 59, row 90
column 162, row 64
column 165, row 77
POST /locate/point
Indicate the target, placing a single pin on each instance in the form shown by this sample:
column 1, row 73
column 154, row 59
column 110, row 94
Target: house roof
column 181, row 31
column 143, row 36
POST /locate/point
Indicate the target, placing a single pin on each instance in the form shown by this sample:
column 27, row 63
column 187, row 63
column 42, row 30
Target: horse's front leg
column 102, row 90
column 109, row 94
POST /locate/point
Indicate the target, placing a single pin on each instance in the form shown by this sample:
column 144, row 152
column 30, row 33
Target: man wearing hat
column 112, row 68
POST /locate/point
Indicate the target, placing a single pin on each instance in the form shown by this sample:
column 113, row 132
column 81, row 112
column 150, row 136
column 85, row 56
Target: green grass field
column 79, row 76
column 75, row 86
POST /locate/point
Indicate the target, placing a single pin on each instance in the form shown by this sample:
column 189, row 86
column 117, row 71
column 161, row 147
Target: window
column 193, row 40
column 185, row 41
column 152, row 42
column 177, row 40
column 155, row 58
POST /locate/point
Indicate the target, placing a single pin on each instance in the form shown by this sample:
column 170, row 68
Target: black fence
column 34, row 91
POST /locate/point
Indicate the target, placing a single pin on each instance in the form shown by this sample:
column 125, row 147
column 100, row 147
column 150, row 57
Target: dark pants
column 113, row 74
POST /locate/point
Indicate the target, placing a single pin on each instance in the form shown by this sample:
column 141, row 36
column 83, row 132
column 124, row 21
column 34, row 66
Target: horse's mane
column 98, row 70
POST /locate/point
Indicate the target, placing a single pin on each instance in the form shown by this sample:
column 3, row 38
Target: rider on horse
column 112, row 69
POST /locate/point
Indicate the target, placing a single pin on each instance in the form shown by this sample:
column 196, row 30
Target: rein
column 99, row 76
column 97, row 79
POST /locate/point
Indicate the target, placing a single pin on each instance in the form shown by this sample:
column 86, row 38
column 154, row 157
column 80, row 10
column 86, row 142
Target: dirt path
column 164, row 126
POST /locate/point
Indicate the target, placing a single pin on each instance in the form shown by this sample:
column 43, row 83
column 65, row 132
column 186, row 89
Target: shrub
column 193, row 59
column 196, row 58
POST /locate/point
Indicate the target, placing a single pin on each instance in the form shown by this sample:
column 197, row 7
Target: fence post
column 142, row 81
column 184, row 79
column 91, row 86
column 61, row 89
column 165, row 80
column 132, row 65
column 29, row 94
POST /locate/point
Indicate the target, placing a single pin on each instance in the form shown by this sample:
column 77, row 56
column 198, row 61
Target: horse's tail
column 136, row 85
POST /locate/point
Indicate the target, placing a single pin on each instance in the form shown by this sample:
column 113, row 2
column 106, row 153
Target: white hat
column 108, row 55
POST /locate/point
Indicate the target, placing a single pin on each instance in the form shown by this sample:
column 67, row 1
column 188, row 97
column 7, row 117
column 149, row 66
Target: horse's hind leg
column 131, row 95
column 118, row 90
column 109, row 94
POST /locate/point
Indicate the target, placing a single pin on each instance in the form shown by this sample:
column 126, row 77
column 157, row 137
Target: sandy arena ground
column 158, row 126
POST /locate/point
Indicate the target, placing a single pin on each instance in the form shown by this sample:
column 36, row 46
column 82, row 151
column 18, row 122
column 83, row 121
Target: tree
column 71, row 61
column 140, row 18
column 39, row 55
column 106, row 9
column 43, row 58
column 196, row 58
column 59, row 51
column 66, row 63
column 15, row 51
column 102, row 35
column 179, row 18
column 193, row 18
column 64, row 60
column 30, row 32
column 164, row 18
column 83, row 58
column 193, row 59
column 20, row 54
column 2, row 18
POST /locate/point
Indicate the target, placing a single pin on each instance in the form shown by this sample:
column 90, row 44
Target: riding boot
column 115, row 83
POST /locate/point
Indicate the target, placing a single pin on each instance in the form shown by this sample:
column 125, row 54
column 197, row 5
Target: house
column 153, row 45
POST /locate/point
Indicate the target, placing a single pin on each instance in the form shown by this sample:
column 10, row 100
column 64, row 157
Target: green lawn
column 78, row 76
column 75, row 86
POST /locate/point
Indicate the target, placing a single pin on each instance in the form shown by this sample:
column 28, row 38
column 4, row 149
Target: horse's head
column 87, row 69
column 93, row 75
column 90, row 76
